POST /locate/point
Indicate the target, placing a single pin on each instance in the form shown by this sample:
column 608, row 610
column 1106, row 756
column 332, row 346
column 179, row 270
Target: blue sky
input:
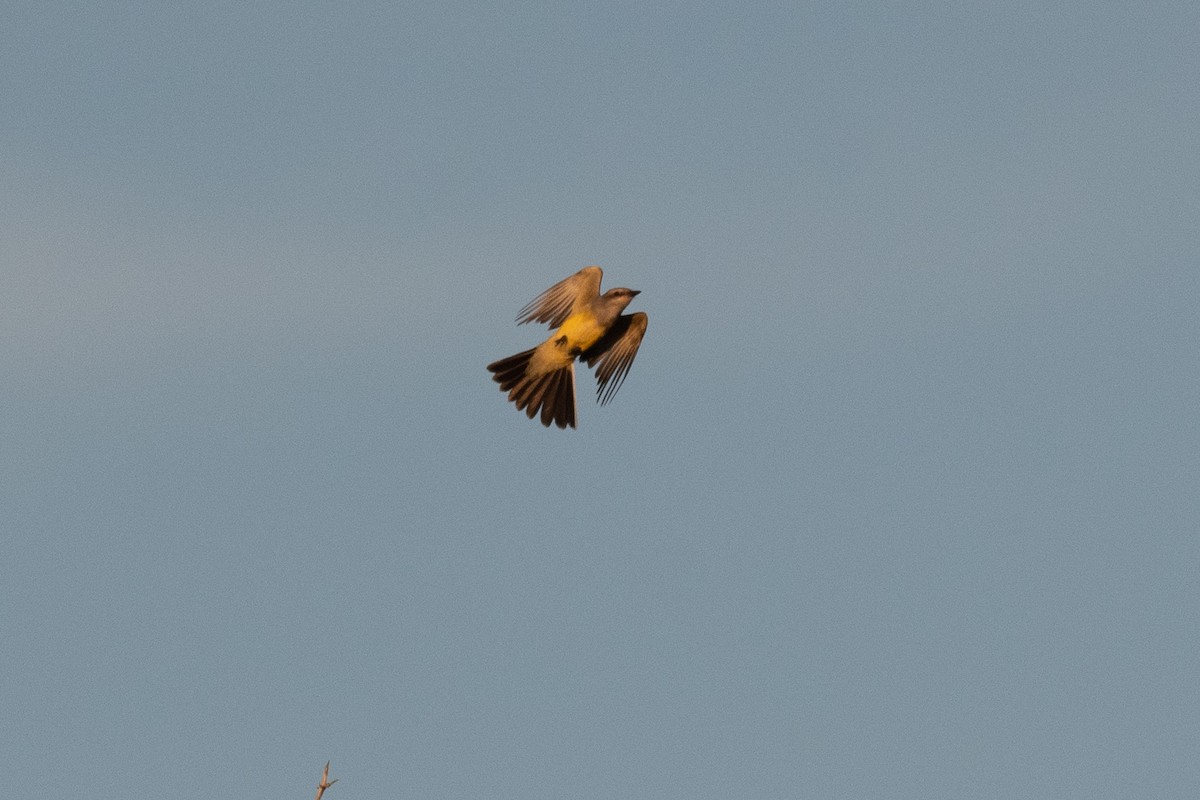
column 898, row 500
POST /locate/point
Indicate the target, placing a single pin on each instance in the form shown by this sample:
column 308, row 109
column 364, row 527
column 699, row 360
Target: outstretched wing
column 613, row 354
column 554, row 305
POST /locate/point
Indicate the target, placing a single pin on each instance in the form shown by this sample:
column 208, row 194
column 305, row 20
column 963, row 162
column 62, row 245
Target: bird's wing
column 554, row 305
column 613, row 354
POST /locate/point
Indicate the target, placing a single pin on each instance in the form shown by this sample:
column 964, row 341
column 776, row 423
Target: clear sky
column 900, row 499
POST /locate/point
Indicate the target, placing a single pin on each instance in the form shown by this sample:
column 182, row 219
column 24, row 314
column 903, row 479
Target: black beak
column 634, row 292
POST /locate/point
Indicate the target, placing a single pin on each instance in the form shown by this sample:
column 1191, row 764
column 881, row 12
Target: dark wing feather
column 614, row 353
column 554, row 305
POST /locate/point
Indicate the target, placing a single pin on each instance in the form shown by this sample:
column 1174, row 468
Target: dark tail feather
column 509, row 371
column 552, row 394
column 560, row 404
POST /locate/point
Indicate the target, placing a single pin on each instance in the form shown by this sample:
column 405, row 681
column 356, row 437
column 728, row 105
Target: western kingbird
column 590, row 326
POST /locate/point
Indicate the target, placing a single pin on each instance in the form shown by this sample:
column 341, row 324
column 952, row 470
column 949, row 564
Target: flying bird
column 588, row 325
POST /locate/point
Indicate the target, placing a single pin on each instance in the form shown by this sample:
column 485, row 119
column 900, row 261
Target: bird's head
column 621, row 296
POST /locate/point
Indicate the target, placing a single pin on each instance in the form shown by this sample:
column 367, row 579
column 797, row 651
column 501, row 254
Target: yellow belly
column 581, row 331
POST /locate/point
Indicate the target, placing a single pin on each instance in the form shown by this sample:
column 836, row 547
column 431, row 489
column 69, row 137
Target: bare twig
column 325, row 782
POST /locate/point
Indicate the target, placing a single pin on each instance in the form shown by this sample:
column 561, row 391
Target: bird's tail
column 552, row 393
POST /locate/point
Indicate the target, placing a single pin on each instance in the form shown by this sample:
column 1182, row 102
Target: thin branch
column 325, row 782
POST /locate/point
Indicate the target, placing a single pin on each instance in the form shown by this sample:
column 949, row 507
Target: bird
column 587, row 325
